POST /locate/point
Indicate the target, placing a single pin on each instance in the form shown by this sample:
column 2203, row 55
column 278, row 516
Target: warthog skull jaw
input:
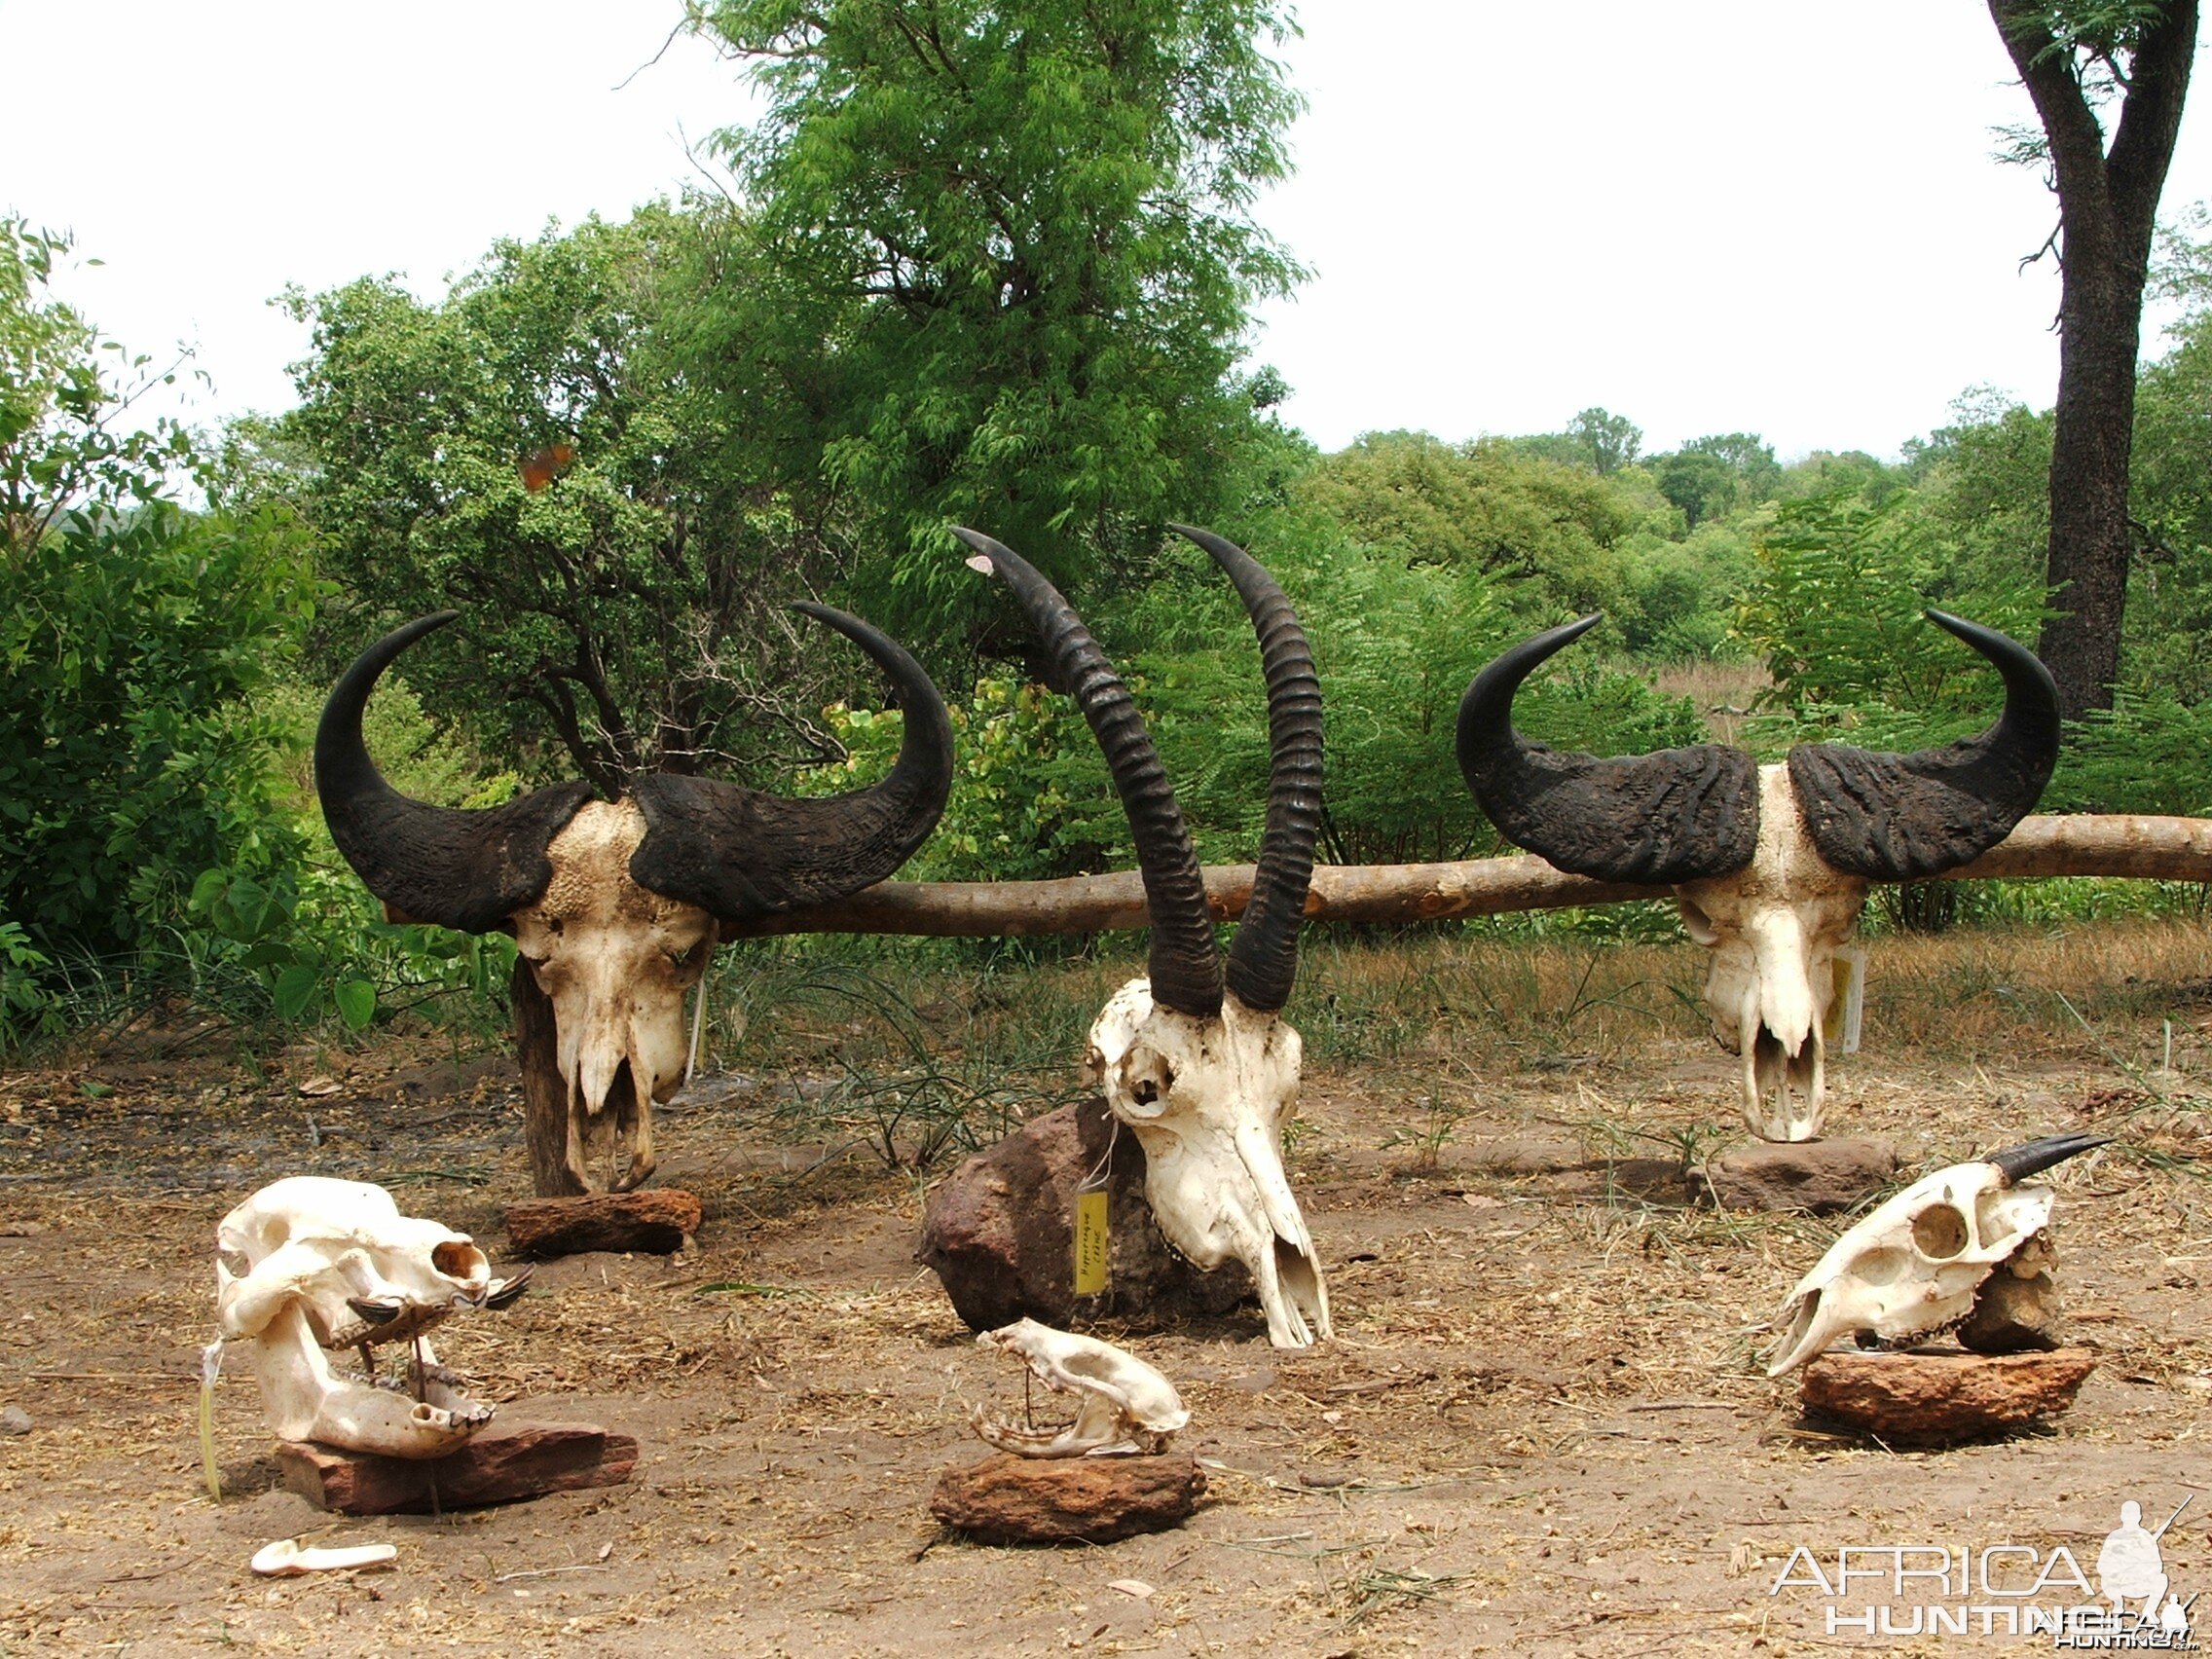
column 308, row 1264
column 1123, row 1406
column 615, row 960
column 1207, row 1098
column 1773, row 929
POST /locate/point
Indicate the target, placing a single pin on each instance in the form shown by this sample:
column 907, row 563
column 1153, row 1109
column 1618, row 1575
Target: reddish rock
column 1007, row 1500
column 500, row 1465
column 1000, row 1232
column 652, row 1223
column 1923, row 1399
column 1823, row 1176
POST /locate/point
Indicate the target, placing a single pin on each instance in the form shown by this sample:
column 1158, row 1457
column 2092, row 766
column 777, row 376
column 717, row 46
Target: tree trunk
column 544, row 1096
column 2108, row 205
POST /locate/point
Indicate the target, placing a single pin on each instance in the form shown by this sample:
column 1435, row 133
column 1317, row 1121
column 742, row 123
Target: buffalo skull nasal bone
column 309, row 1265
column 1123, row 1406
column 1919, row 1262
column 1773, row 929
column 615, row 960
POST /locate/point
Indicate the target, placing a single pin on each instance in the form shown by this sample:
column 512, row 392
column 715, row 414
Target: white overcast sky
column 1734, row 214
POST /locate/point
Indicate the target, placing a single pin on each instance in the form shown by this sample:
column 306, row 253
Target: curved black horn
column 1899, row 817
column 429, row 864
column 1263, row 959
column 1676, row 815
column 2016, row 1163
column 742, row 853
column 1185, row 966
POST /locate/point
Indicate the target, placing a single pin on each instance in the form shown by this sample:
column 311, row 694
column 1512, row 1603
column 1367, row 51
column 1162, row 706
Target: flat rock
column 500, row 1465
column 653, row 1222
column 1820, row 1176
column 999, row 1231
column 1007, row 1500
column 1935, row 1398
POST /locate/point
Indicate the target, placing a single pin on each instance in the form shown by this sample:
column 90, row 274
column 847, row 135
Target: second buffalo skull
column 1770, row 865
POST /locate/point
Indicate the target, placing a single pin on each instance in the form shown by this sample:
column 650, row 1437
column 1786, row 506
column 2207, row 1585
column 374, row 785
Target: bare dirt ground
column 1543, row 1428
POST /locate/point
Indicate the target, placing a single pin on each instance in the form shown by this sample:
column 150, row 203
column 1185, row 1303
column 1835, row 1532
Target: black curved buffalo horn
column 1676, row 815
column 430, row 864
column 740, row 853
column 1185, row 966
column 1263, row 959
column 1899, row 817
column 2016, row 1163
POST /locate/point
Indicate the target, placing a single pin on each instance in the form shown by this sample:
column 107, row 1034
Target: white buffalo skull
column 309, row 1266
column 1123, row 1406
column 615, row 907
column 1770, row 865
column 1196, row 1059
column 1917, row 1264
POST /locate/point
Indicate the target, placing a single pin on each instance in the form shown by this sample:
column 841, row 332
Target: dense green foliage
column 991, row 263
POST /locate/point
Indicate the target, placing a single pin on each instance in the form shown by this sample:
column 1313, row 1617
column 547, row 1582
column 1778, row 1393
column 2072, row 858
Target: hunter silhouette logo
column 1930, row 1589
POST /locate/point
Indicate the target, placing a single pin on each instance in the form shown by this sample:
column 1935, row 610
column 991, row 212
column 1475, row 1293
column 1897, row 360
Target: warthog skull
column 615, row 906
column 1204, row 1073
column 309, row 1265
column 1124, row 1405
column 1770, row 865
column 1918, row 1264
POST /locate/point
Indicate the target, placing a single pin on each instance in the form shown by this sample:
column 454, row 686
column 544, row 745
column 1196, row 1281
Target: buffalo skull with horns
column 1206, row 1075
column 616, row 905
column 1770, row 865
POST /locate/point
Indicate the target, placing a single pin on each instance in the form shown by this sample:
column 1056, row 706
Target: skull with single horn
column 1206, row 1073
column 1966, row 1247
column 616, row 905
column 1770, row 865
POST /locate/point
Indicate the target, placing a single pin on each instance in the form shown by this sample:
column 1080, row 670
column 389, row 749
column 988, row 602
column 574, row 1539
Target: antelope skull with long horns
column 616, row 905
column 1205, row 1072
column 1770, row 865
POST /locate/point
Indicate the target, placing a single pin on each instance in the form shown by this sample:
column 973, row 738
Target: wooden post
column 544, row 1096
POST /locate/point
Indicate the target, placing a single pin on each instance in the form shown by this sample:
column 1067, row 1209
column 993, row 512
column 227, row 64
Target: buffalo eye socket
column 553, row 926
column 690, row 958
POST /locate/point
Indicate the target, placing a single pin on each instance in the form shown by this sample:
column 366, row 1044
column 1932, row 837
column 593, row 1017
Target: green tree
column 1608, row 442
column 133, row 636
column 2077, row 59
column 534, row 450
column 998, row 261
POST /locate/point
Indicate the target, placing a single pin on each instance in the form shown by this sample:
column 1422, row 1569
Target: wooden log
column 2139, row 848
column 500, row 1465
column 544, row 1095
column 651, row 1222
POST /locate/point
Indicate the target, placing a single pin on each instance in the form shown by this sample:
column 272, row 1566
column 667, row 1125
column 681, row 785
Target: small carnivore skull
column 1773, row 929
column 616, row 960
column 1916, row 1263
column 1208, row 1098
column 309, row 1265
column 1123, row 1406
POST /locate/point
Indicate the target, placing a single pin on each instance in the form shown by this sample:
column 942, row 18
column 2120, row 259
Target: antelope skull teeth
column 1917, row 1264
column 1123, row 1406
column 309, row 1266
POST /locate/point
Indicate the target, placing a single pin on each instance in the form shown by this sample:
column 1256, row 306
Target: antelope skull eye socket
column 1941, row 1232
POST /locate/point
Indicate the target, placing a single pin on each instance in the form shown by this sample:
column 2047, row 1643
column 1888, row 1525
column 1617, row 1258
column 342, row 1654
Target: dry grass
column 1724, row 691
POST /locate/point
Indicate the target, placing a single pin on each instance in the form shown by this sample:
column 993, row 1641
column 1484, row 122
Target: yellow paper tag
column 1089, row 1244
column 1847, row 1000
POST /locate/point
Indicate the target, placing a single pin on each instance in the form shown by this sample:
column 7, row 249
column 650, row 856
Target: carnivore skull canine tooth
column 1195, row 1058
column 309, row 1266
column 1770, row 865
column 615, row 906
column 1916, row 1262
column 1124, row 1405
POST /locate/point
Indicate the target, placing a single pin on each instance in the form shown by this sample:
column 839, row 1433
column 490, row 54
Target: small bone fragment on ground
column 503, row 1466
column 653, row 1222
column 1007, row 1500
column 286, row 1558
column 1926, row 1399
column 1822, row 1177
